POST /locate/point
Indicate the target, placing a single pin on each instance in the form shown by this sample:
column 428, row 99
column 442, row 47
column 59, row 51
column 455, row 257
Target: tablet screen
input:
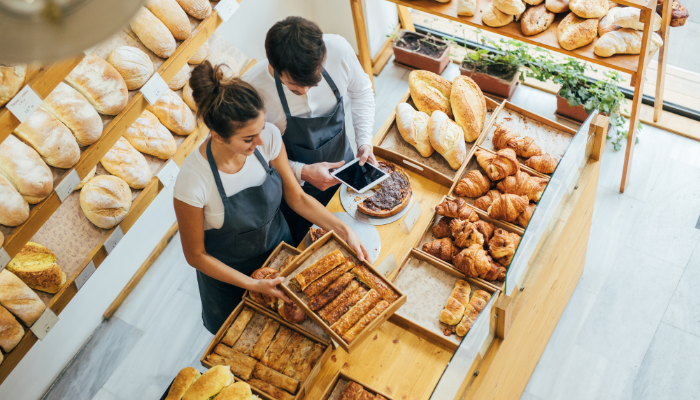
column 358, row 177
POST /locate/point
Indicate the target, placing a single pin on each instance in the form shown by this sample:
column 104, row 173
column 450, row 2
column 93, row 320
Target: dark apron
column 253, row 227
column 311, row 141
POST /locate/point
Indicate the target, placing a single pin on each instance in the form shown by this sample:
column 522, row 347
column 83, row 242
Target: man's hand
column 365, row 154
column 319, row 175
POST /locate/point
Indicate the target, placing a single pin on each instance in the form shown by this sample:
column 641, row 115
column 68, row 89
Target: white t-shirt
column 195, row 184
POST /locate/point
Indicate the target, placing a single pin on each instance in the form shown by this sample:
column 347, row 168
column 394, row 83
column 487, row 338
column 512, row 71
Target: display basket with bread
column 346, row 297
column 277, row 359
column 346, row 387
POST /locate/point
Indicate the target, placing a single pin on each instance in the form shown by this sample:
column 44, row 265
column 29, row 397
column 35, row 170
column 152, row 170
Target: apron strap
column 215, row 172
column 331, row 84
column 262, row 160
column 280, row 93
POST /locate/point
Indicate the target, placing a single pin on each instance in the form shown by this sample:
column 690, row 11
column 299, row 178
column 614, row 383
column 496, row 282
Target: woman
column 228, row 194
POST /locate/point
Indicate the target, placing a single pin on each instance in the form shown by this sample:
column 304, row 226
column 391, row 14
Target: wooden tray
column 430, row 283
column 304, row 386
column 391, row 146
column 340, row 381
column 329, row 242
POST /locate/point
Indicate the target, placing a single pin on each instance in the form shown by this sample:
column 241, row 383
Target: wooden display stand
column 630, row 64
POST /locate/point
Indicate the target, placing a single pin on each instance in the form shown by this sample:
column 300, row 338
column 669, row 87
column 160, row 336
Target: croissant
column 504, row 137
column 457, row 208
column 497, row 167
column 484, row 202
column 442, row 228
column 473, row 261
column 525, row 216
column 507, row 207
column 476, row 304
column 485, row 229
column 441, row 248
column 503, row 243
column 544, row 163
column 496, row 273
column 522, row 184
column 474, row 184
column 527, row 147
column 464, row 234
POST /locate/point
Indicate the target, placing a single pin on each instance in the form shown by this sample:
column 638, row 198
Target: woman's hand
column 269, row 287
column 354, row 241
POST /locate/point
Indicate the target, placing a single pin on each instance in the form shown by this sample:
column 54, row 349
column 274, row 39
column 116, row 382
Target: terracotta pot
column 490, row 84
column 419, row 60
column 577, row 113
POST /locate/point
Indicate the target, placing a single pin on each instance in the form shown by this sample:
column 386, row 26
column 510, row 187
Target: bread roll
column 209, row 384
column 149, row 136
column 589, row 8
column 19, row 299
column 628, row 17
column 413, row 127
column 74, row 111
column 468, row 106
column 557, row 6
column 11, row 80
column 173, row 16
column 430, row 92
column 447, row 138
column 199, row 9
column 494, row 17
column 536, row 19
column 534, row 2
column 182, row 382
column 512, row 7
column 23, row 167
column 624, row 41
column 466, row 8
column 236, row 391
column 607, row 23
column 124, row 161
column 187, row 97
column 14, row 210
column 180, row 78
column 101, row 84
column 574, row 32
column 233, row 69
column 153, row 33
column 50, row 138
column 134, row 65
column 11, row 332
column 172, row 111
column 85, row 180
column 105, row 200
column 200, row 55
column 36, row 266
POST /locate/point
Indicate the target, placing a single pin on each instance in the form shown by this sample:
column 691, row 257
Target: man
column 303, row 81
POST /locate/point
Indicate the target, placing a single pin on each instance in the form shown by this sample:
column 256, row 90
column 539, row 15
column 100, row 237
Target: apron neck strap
column 262, row 160
column 215, row 170
column 283, row 98
column 331, row 84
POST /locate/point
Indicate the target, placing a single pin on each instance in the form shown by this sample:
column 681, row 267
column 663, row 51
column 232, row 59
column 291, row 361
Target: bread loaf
column 19, row 299
column 172, row 16
column 574, row 32
column 430, row 92
column 494, row 17
column 36, row 266
column 172, row 111
column 181, row 78
column 101, row 84
column 14, row 210
column 105, row 200
column 468, row 106
column 153, row 33
column 589, row 8
column 466, row 8
column 25, row 170
column 512, row 7
column 607, row 23
column 536, row 19
column 209, row 384
column 200, row 55
column 534, row 2
column 232, row 70
column 628, row 17
column 624, row 41
column 182, row 382
column 413, row 127
column 11, row 80
column 50, row 138
column 199, row 9
column 149, row 136
column 73, row 110
column 133, row 65
column 557, row 6
column 85, row 180
column 11, row 331
column 447, row 138
column 124, row 161
column 188, row 98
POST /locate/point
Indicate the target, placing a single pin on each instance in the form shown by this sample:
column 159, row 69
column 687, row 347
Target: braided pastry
column 474, row 184
column 476, row 304
column 524, row 217
column 497, row 167
column 522, row 184
column 441, row 248
column 442, row 228
column 507, row 207
column 544, row 163
column 457, row 208
column 484, row 202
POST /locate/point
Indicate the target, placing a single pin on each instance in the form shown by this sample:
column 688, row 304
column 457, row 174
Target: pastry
column 105, row 200
column 524, row 217
column 260, row 298
column 19, row 299
column 277, row 346
column 272, row 391
column 522, row 184
column 153, row 33
column 466, row 233
column 124, row 161
column 456, row 303
column 504, row 137
column 36, row 266
column 50, row 138
column 469, row 105
column 356, row 312
column 172, row 111
column 352, row 391
column 624, row 41
column 503, row 243
column 485, row 201
column 280, row 360
column 447, row 138
column 589, row 8
column 182, row 382
column 300, row 353
column 11, row 80
column 574, row 32
column 14, row 209
column 474, row 184
column 544, row 163
column 209, row 384
column 149, row 136
column 317, row 302
column 504, row 163
column 373, row 281
column 237, row 327
column 309, row 362
column 430, row 92
column 275, row 378
column 332, row 312
column 443, row 249
column 679, row 14
column 172, row 16
column 316, row 234
column 442, row 228
column 268, row 333
column 241, row 365
column 135, row 66
column 101, row 84
column 457, row 208
column 507, row 207
column 413, row 127
column 326, row 280
column 76, row 113
column 473, row 261
column 476, row 304
column 393, row 195
column 367, row 319
column 316, row 270
column 527, row 147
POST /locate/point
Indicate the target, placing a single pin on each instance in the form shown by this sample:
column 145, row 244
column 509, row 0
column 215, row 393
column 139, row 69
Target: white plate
column 350, row 200
column 368, row 234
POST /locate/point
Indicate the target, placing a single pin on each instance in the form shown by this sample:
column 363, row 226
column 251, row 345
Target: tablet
column 359, row 178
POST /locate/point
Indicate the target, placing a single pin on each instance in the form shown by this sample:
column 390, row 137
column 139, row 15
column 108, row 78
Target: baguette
column 268, row 333
column 172, row 16
column 14, row 209
column 353, row 316
column 624, row 41
column 300, row 354
column 182, row 382
column 237, row 327
column 149, row 136
column 344, row 306
column 342, row 297
column 199, row 9
column 23, row 167
column 275, row 378
column 133, row 65
column 19, row 299
column 153, row 33
column 274, row 392
column 326, row 280
column 172, row 111
column 316, row 270
column 309, row 362
column 430, row 92
column 337, row 287
column 50, row 138
column 367, row 319
column 277, row 346
column 374, row 282
column 240, row 365
column 282, row 359
column 11, row 80
column 413, row 127
column 74, row 110
column 199, row 55
column 36, row 266
column 124, row 161
column 11, row 332
column 101, row 84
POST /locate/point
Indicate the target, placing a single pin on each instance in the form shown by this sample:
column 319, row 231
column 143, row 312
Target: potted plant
column 420, row 51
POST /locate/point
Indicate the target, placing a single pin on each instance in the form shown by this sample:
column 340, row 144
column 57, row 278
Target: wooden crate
column 343, row 379
column 438, row 280
column 333, row 240
column 391, row 146
column 303, row 386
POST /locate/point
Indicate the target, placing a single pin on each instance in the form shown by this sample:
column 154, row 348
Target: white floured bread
column 19, row 299
column 14, row 209
column 11, row 80
column 153, row 33
column 589, row 8
column 494, row 17
column 574, row 32
column 628, row 17
column 105, row 200
column 607, row 23
column 199, row 9
column 149, row 136
column 536, row 19
column 468, row 106
column 101, row 84
column 173, row 16
column 533, row 2
column 187, row 96
column 124, row 161
column 466, row 8
column 85, row 180
column 73, row 109
column 200, row 55
column 447, row 138
column 413, row 126
column 233, row 69
column 11, row 332
column 557, row 6
column 50, row 138
column 133, row 65
column 512, row 7
column 23, row 167
column 624, row 41
column 179, row 80
column 172, row 111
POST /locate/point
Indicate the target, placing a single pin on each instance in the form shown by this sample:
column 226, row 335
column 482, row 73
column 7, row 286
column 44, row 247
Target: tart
column 392, row 195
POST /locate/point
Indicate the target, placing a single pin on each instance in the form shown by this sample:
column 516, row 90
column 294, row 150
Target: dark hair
column 225, row 104
column 295, row 46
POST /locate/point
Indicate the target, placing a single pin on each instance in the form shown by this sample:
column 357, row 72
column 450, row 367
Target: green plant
column 510, row 56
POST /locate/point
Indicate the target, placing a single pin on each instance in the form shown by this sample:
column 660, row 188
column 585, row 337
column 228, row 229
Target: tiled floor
column 630, row 331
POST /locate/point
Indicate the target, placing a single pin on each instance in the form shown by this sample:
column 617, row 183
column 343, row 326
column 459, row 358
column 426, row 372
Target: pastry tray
column 340, row 381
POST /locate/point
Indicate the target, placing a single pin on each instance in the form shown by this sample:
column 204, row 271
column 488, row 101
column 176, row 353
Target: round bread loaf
column 430, row 92
column 291, row 312
column 101, row 84
column 73, row 109
column 536, row 19
column 180, row 78
column 149, row 136
column 85, row 180
column 14, row 210
column 105, row 200
column 187, row 96
column 233, row 69
column 589, row 8
column 574, row 32
column 557, row 6
column 133, row 65
column 11, row 80
column 512, row 7
column 494, row 17
column 200, row 55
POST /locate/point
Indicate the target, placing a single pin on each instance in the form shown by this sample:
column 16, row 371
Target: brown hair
column 295, row 45
column 224, row 104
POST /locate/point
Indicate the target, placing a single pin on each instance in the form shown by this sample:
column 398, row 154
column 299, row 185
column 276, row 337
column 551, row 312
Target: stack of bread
column 432, row 127
column 621, row 32
column 217, row 383
column 266, row 354
column 461, row 310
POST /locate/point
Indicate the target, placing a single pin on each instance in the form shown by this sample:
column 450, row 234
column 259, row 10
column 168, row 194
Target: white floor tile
column 105, row 395
column 529, row 396
column 684, row 309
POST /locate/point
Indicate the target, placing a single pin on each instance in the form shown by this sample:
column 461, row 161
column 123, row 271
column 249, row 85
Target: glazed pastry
column 316, row 270
column 326, row 280
column 374, row 282
column 367, row 319
column 474, row 184
column 522, row 184
column 358, row 311
column 496, row 273
column 527, row 148
column 473, row 261
column 524, row 217
column 317, row 302
column 443, row 248
column 507, row 207
column 442, row 228
column 498, row 166
column 503, row 243
column 291, row 312
column 346, row 305
column 456, row 303
column 504, row 138
column 465, row 233
column 544, row 163
column 456, row 208
column 342, row 299
column 485, row 201
column 485, row 229
column 476, row 304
